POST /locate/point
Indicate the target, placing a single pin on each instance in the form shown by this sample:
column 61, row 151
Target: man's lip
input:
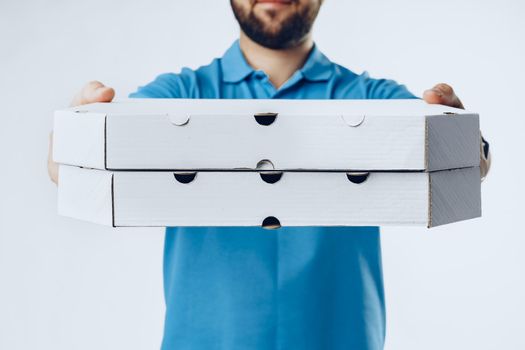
column 284, row 2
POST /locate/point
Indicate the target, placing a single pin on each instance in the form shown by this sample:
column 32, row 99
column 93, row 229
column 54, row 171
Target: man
column 291, row 288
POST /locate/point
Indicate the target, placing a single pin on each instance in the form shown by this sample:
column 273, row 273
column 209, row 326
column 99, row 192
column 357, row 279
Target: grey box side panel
column 455, row 195
column 453, row 141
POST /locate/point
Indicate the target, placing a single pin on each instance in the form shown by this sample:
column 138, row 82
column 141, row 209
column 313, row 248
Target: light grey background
column 66, row 284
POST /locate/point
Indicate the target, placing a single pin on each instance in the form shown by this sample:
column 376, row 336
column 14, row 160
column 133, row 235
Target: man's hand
column 444, row 94
column 92, row 92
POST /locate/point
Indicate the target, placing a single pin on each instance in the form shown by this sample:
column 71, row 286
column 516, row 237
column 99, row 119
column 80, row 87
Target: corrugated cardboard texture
column 456, row 195
column 453, row 141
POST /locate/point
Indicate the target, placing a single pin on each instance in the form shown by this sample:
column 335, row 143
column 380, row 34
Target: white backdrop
column 72, row 285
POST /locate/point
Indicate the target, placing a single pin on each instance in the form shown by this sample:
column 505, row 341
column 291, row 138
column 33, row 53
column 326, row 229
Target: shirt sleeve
column 168, row 85
column 385, row 89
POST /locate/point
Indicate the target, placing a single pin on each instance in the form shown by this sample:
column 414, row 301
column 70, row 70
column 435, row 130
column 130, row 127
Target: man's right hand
column 92, row 92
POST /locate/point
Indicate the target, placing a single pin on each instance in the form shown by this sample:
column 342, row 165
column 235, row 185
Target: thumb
column 442, row 94
column 93, row 92
column 101, row 94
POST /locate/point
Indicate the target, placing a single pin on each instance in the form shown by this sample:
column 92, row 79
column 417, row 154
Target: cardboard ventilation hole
column 271, row 177
column 264, row 164
column 357, row 178
column 185, row 178
column 271, row 223
column 178, row 120
column 265, row 118
column 353, row 120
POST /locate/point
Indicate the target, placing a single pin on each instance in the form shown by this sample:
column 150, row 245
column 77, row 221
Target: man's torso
column 291, row 288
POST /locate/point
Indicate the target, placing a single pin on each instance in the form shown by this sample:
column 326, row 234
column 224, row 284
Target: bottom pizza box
column 269, row 199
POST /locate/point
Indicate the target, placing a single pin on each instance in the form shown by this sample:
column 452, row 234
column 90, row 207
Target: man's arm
column 92, row 92
column 445, row 95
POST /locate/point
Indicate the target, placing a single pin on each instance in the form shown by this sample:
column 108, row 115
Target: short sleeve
column 168, row 85
column 385, row 89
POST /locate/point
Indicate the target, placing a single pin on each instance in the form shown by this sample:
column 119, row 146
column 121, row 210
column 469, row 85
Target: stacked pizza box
column 270, row 163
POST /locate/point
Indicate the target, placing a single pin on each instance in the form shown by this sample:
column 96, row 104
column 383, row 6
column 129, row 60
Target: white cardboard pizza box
column 337, row 135
column 247, row 198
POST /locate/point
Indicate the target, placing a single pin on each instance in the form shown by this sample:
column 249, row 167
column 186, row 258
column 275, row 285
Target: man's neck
column 279, row 65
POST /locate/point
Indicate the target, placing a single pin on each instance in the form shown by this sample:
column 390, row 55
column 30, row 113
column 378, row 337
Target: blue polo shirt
column 291, row 288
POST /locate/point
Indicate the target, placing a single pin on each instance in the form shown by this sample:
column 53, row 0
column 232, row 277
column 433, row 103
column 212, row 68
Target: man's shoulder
column 188, row 83
column 349, row 84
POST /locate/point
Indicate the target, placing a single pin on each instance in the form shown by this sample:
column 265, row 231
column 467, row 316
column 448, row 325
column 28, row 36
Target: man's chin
column 272, row 23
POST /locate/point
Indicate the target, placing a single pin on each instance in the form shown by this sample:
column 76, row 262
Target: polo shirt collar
column 317, row 66
column 235, row 68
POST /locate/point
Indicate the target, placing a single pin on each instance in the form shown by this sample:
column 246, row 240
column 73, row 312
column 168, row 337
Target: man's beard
column 291, row 32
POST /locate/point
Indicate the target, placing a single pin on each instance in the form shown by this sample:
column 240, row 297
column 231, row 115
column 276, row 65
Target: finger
column 93, row 92
column 52, row 167
column 442, row 94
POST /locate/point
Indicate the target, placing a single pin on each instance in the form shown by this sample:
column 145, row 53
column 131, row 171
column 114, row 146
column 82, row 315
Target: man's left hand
column 444, row 94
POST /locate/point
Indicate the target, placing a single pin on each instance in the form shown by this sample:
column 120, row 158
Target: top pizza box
column 243, row 134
